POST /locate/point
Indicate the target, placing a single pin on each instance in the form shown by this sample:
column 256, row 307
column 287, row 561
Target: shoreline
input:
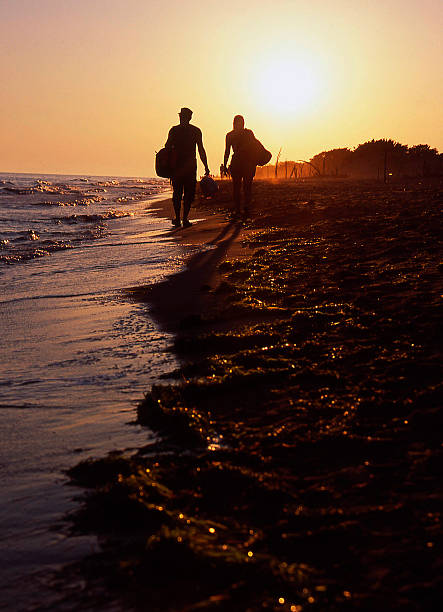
column 74, row 367
column 299, row 455
column 196, row 287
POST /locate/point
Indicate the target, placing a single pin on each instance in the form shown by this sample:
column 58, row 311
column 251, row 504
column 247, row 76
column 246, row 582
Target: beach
column 299, row 459
column 237, row 410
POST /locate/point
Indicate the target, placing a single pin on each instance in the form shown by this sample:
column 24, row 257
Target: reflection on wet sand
column 300, row 458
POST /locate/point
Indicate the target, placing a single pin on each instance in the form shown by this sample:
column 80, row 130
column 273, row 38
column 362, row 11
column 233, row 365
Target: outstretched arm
column 202, row 153
column 227, row 150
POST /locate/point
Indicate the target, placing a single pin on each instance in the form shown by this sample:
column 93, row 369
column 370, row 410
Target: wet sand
column 185, row 297
column 300, row 459
column 76, row 356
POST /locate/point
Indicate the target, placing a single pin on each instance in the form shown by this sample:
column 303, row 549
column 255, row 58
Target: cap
column 186, row 112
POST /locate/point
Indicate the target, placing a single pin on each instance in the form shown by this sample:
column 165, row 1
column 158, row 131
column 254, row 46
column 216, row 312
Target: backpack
column 165, row 161
column 253, row 151
column 259, row 154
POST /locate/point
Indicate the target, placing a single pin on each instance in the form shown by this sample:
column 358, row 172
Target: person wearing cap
column 182, row 141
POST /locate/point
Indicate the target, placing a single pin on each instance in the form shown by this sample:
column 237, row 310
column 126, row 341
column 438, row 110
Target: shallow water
column 76, row 355
column 40, row 215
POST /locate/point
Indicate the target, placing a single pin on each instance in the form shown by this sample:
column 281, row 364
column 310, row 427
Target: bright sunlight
column 288, row 86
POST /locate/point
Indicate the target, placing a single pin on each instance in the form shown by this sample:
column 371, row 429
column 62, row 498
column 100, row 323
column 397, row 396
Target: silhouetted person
column 182, row 140
column 242, row 167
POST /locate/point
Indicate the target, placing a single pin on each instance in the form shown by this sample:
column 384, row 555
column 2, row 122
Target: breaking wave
column 30, row 229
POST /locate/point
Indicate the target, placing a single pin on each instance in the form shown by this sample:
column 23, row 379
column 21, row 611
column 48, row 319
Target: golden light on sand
column 289, row 85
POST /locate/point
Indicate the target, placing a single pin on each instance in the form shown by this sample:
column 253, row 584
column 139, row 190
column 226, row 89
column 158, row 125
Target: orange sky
column 92, row 86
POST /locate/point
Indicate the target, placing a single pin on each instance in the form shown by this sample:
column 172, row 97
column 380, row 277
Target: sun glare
column 288, row 86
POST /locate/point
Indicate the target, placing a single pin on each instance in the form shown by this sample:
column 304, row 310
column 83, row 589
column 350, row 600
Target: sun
column 288, row 85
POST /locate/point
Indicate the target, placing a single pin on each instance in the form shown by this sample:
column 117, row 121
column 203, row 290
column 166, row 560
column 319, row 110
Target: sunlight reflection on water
column 76, row 356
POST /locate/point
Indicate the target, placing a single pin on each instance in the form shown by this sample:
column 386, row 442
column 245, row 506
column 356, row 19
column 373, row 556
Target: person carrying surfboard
column 182, row 141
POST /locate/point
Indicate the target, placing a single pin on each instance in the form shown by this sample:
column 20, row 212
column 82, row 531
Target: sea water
column 76, row 354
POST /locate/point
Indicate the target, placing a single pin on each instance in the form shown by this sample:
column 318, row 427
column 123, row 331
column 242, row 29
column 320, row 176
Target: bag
column 208, row 186
column 165, row 161
column 259, row 154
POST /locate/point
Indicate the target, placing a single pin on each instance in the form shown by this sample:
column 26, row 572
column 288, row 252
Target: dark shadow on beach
column 177, row 301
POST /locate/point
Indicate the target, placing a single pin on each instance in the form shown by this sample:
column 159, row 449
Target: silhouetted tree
column 372, row 159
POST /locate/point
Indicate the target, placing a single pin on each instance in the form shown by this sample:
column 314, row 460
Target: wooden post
column 276, row 163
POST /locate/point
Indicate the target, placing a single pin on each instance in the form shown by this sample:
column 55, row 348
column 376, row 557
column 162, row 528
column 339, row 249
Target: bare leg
column 188, row 198
column 177, row 200
column 247, row 188
column 177, row 206
column 186, row 209
column 236, row 184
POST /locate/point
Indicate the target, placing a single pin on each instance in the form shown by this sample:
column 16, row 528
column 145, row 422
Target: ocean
column 76, row 355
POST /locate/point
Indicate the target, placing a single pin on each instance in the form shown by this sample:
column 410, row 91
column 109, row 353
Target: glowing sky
column 93, row 86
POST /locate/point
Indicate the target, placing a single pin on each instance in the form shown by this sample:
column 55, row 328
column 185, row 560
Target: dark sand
column 300, row 459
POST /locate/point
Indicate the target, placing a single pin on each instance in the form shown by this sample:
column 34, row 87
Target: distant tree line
column 381, row 159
